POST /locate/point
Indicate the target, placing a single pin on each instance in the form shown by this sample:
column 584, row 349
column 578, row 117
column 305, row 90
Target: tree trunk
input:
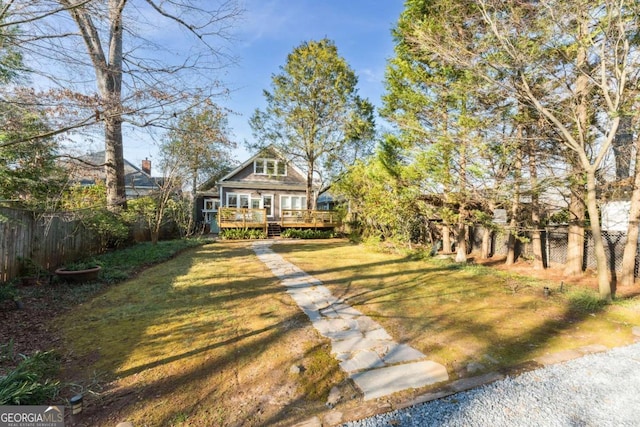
column 114, row 162
column 604, row 279
column 536, row 240
column 461, row 241
column 310, row 186
column 485, row 252
column 627, row 273
column 575, row 239
column 108, row 69
column 575, row 243
column 515, row 206
column 446, row 239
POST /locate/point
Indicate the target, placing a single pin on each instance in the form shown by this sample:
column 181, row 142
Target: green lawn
column 210, row 337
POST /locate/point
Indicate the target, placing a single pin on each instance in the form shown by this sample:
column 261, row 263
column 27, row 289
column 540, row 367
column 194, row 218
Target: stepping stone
column 344, row 335
column 378, row 334
column 593, row 348
column 347, row 312
column 402, row 353
column 384, row 381
column 561, row 356
column 366, row 324
column 356, row 344
column 326, row 327
column 364, row 349
column 361, row 360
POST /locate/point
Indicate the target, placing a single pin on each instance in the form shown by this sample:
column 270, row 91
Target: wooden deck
column 242, row 218
column 291, row 218
column 309, row 219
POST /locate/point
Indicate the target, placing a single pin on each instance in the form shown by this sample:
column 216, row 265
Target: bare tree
column 141, row 75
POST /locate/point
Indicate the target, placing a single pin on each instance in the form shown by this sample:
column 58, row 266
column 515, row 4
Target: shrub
column 242, row 234
column 585, row 301
column 293, row 233
column 30, row 383
column 8, row 292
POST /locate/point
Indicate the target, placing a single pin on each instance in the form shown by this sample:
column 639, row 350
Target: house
column 89, row 169
column 267, row 191
column 615, row 204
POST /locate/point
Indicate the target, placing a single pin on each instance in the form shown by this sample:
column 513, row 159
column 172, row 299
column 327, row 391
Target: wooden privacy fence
column 48, row 240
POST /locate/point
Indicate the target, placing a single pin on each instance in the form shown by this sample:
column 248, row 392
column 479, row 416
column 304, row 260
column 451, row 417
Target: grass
column 210, row 337
column 460, row 314
column 207, row 338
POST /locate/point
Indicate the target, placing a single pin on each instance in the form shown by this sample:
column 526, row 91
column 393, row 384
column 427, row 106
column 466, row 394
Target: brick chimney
column 146, row 166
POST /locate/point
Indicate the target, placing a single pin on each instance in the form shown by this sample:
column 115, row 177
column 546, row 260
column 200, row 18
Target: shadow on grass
column 196, row 323
column 384, row 295
column 228, row 341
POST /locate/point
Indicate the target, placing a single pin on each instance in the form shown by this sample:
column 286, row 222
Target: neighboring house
column 266, row 191
column 89, row 169
column 615, row 205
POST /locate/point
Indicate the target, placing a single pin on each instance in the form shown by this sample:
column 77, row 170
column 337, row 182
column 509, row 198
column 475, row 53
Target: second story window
column 271, row 167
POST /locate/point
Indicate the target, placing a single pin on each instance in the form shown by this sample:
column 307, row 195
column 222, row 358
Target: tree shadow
column 226, row 358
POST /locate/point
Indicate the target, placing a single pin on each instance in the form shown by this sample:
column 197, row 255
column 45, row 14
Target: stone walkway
column 376, row 363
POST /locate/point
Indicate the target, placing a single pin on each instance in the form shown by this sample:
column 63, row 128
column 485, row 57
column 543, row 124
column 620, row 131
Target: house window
column 293, row 202
column 258, row 167
column 235, row 200
column 271, row 167
column 211, row 205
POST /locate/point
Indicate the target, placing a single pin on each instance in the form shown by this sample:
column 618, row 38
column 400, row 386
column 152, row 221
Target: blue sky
column 268, row 32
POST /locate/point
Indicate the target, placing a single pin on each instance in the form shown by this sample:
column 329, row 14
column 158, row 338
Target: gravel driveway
column 596, row 390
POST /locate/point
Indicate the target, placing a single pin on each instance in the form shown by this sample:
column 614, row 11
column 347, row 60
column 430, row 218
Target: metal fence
column 555, row 246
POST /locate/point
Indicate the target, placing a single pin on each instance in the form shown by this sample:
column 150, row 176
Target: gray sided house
column 267, row 191
column 89, row 170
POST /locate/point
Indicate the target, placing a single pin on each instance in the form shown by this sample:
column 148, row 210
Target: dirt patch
column 27, row 329
column 555, row 274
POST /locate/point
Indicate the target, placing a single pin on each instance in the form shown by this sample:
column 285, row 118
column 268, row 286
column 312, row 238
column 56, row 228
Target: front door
column 210, row 212
column 267, row 204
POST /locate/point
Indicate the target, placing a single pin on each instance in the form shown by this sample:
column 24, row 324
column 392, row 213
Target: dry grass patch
column 207, row 338
column 469, row 318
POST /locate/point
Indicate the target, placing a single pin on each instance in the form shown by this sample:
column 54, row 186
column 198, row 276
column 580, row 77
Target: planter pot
column 78, row 276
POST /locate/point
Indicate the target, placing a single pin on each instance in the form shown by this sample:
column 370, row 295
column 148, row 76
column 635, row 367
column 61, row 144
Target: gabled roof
column 271, row 148
column 90, row 168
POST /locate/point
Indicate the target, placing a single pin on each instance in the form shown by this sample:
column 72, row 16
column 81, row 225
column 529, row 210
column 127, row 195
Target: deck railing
column 242, row 218
column 309, row 218
column 257, row 218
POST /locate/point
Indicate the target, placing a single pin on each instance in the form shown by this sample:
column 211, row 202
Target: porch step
column 273, row 230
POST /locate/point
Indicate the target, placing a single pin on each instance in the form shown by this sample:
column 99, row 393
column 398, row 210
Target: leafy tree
column 314, row 113
column 87, row 203
column 198, row 147
column 28, row 170
column 197, row 150
column 441, row 114
column 568, row 60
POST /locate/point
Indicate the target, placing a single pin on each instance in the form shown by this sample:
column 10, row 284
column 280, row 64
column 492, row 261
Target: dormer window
column 271, row 167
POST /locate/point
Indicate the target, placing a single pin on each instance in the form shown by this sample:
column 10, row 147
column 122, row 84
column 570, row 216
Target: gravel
column 596, row 390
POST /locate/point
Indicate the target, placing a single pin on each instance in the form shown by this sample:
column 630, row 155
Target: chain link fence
column 555, row 246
